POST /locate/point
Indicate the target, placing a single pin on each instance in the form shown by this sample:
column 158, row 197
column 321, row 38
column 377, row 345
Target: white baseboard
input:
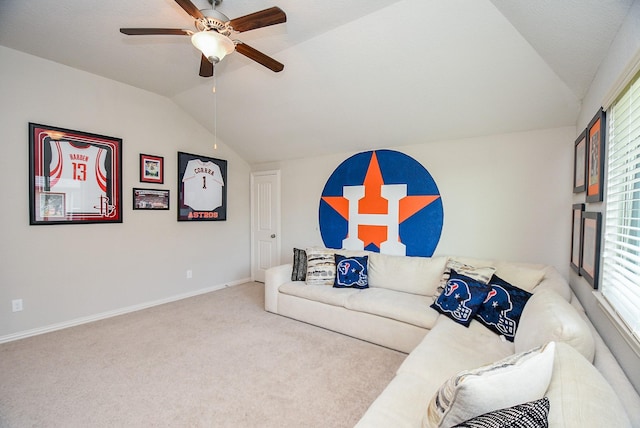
column 115, row 313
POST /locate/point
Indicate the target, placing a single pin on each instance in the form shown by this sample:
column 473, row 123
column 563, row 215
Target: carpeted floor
column 215, row 360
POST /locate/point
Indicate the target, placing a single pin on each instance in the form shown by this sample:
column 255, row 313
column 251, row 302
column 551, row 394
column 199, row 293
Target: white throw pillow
column 321, row 266
column 517, row 379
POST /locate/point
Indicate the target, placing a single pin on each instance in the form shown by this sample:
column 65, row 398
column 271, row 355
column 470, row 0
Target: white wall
column 504, row 196
column 69, row 272
column 624, row 51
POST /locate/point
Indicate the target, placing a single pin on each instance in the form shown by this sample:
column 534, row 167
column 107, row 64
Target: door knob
column 273, row 235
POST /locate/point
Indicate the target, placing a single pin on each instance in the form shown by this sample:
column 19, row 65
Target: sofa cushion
column 321, row 266
column 533, row 414
column 416, row 275
column 499, row 385
column 299, row 268
column 461, row 298
column 524, row 277
column 351, row 272
column 501, row 309
column 548, row 317
column 405, row 307
column 461, row 344
column 320, row 293
column 554, row 281
column 400, row 405
column 579, row 394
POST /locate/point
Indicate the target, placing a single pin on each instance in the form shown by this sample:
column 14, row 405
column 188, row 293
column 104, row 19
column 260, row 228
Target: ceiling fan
column 213, row 35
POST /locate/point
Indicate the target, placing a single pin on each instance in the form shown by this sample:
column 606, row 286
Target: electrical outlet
column 16, row 305
column 189, row 274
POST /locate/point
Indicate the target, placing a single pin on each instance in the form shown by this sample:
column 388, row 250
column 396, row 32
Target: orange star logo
column 374, row 203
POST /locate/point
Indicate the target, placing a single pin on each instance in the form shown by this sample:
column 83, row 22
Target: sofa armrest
column 274, row 278
column 555, row 282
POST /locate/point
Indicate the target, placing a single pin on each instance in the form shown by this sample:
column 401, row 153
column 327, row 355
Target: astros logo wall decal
column 382, row 201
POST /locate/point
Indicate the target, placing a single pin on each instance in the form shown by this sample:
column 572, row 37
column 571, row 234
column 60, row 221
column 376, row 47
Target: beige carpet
column 216, row 360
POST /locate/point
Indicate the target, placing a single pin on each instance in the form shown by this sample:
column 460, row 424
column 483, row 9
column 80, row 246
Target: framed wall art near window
column 151, row 169
column 595, row 157
column 74, row 176
column 580, row 163
column 202, row 188
column 590, row 260
column 150, row 199
column 576, row 237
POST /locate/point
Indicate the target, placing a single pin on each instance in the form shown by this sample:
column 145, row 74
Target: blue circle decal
column 382, row 201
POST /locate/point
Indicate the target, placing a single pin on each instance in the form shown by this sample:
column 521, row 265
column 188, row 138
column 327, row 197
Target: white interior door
column 265, row 222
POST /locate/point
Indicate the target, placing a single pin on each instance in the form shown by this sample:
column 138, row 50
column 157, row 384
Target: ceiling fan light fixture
column 214, row 46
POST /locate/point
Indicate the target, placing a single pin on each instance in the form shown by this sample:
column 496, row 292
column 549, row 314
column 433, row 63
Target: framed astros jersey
column 202, row 188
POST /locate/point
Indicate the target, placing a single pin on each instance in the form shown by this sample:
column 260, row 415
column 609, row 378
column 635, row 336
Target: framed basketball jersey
column 202, row 192
column 74, row 177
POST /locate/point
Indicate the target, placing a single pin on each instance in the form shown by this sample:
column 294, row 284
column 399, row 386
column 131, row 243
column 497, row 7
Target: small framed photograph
column 580, row 163
column 74, row 177
column 595, row 157
column 202, row 190
column 150, row 199
column 576, row 237
column 590, row 260
column 52, row 205
column 151, row 169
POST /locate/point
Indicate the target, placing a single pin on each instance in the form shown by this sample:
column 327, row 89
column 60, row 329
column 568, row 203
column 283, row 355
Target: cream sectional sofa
column 395, row 312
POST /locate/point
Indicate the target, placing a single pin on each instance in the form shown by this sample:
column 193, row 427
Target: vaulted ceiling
column 359, row 74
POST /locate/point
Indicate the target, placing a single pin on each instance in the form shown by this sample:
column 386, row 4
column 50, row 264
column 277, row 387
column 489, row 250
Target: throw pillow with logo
column 351, row 272
column 461, row 298
column 502, row 308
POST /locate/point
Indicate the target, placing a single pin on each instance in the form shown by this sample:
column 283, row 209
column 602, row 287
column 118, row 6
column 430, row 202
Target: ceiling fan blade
column 190, row 8
column 264, row 18
column 206, row 67
column 150, row 31
column 259, row 57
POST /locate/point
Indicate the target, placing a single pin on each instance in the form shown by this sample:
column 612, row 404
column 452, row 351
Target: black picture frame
column 151, row 169
column 576, row 237
column 590, row 259
column 74, row 177
column 580, row 163
column 202, row 188
column 595, row 157
column 150, row 199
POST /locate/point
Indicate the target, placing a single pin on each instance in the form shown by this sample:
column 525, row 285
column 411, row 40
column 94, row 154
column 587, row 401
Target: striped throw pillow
column 321, row 266
column 533, row 414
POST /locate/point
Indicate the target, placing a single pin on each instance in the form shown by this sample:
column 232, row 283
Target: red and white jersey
column 202, row 185
column 78, row 171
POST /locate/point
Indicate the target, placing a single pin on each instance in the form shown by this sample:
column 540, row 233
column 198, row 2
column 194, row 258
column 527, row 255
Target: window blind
column 621, row 255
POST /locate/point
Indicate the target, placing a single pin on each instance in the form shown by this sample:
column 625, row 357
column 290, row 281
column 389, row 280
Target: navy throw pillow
column 461, row 298
column 351, row 272
column 502, row 308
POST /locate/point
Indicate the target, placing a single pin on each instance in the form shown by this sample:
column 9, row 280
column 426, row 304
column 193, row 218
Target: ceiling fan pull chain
column 215, row 114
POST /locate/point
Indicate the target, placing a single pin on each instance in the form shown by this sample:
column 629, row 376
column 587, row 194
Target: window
column 621, row 255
